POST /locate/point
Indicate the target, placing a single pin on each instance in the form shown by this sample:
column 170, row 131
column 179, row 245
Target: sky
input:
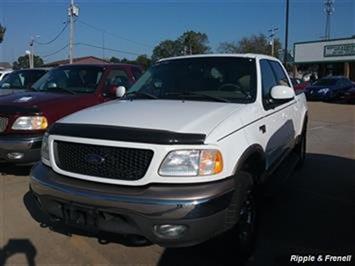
column 136, row 27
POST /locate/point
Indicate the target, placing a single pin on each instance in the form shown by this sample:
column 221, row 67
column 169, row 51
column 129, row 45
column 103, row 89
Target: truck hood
column 172, row 115
column 31, row 99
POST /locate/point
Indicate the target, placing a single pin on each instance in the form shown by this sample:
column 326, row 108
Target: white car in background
column 20, row 80
column 4, row 73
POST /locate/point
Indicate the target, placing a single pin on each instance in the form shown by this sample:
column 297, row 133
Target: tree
column 143, row 60
column 166, row 48
column 194, row 42
column 114, row 60
column 253, row 44
column 190, row 42
column 23, row 62
column 2, row 33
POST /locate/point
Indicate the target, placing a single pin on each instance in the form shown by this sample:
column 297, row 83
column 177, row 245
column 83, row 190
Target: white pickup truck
column 178, row 158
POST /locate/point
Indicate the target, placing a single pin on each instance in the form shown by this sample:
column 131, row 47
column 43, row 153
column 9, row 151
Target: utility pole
column 31, row 51
column 328, row 9
column 286, row 32
column 73, row 11
column 272, row 33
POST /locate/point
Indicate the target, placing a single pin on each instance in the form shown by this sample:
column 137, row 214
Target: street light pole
column 272, row 40
column 30, row 55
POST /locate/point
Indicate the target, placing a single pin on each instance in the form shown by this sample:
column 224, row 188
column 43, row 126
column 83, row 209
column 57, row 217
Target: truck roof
column 246, row 55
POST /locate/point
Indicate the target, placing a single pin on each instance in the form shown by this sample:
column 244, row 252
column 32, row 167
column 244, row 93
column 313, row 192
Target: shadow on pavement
column 17, row 170
column 311, row 213
column 18, row 246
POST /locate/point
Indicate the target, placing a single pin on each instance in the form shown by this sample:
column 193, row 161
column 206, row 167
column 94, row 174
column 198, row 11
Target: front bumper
column 204, row 209
column 27, row 148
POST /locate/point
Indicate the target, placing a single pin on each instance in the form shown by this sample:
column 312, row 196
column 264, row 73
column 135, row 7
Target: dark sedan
column 328, row 89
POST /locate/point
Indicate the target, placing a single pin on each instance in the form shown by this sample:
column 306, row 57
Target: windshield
column 325, row 82
column 229, row 79
column 73, row 79
column 20, row 79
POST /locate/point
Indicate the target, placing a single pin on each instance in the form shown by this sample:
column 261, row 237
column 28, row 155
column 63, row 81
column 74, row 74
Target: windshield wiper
column 189, row 93
column 139, row 93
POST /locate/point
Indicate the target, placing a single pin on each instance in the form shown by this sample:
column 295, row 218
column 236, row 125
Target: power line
column 55, row 38
column 113, row 35
column 92, row 46
column 56, row 52
column 106, row 48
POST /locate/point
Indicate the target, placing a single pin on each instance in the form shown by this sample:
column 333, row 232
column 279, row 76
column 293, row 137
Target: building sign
column 328, row 51
column 339, row 50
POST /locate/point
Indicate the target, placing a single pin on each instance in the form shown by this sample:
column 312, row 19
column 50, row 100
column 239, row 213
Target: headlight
column 30, row 123
column 324, row 91
column 45, row 149
column 192, row 163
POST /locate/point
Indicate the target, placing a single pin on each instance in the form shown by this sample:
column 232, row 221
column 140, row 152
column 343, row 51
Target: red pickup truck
column 24, row 117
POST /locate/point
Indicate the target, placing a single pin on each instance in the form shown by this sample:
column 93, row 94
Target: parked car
column 25, row 116
column 328, row 88
column 4, row 73
column 178, row 159
column 20, row 80
column 299, row 85
column 349, row 95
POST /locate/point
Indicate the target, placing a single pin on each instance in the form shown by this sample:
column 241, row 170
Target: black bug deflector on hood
column 128, row 134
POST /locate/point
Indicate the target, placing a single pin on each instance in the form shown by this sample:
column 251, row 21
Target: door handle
column 262, row 129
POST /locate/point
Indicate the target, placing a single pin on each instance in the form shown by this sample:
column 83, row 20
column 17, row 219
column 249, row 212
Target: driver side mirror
column 116, row 91
column 281, row 92
column 120, row 91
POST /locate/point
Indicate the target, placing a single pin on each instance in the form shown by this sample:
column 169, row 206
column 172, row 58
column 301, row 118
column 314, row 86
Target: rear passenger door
column 279, row 128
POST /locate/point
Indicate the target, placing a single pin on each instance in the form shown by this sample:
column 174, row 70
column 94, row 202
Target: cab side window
column 281, row 77
column 268, row 81
column 272, row 75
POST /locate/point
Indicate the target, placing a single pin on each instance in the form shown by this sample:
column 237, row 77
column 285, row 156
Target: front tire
column 246, row 226
column 300, row 148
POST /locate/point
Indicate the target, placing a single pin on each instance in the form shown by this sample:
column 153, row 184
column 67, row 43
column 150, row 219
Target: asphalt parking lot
column 312, row 212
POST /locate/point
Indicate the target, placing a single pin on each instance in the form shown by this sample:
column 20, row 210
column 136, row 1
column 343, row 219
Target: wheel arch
column 253, row 160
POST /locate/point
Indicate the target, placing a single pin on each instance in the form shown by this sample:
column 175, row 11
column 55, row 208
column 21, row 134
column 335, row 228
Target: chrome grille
column 3, row 123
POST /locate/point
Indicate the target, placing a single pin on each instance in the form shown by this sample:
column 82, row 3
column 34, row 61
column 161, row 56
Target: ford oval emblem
column 94, row 159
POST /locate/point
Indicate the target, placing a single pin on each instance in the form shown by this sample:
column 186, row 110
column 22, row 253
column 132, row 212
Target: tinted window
column 201, row 78
column 268, row 78
column 137, row 73
column 117, row 77
column 280, row 74
column 73, row 79
column 347, row 82
column 325, row 82
column 35, row 75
